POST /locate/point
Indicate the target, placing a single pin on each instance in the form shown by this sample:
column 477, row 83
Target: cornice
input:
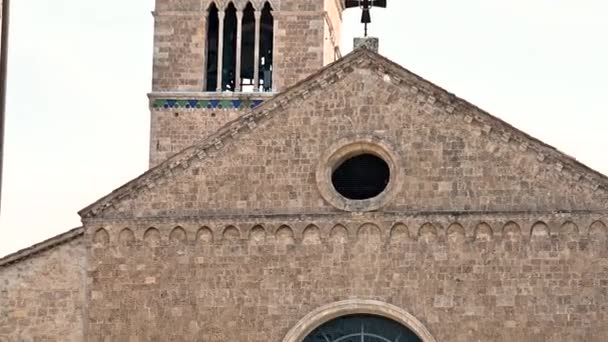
column 41, row 247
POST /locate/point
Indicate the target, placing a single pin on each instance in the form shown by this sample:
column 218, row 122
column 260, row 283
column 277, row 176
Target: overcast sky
column 78, row 120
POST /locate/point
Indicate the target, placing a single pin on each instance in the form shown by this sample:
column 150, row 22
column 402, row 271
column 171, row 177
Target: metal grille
column 361, row 177
column 362, row 328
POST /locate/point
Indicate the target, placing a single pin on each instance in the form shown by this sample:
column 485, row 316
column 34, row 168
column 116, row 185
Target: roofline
column 559, row 155
column 452, row 104
column 215, row 139
column 40, row 247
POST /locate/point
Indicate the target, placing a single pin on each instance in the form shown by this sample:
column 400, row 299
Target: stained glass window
column 362, row 328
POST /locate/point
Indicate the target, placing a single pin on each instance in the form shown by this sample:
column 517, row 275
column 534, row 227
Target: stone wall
column 181, row 120
column 179, row 49
column 307, row 36
column 528, row 277
column 300, row 45
column 449, row 157
column 42, row 296
column 173, row 130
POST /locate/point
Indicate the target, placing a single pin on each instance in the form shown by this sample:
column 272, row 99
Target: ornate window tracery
column 362, row 328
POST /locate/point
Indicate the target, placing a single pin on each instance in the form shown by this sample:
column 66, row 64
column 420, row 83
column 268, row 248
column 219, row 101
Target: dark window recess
column 361, row 177
column 212, row 47
column 248, row 76
column 364, row 328
column 248, row 48
column 229, row 64
column 266, row 46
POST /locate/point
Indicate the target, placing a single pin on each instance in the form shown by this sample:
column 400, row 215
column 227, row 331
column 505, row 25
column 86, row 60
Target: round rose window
column 361, row 177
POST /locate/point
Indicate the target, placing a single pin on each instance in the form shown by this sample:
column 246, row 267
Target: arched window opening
column 213, row 22
column 240, row 48
column 248, row 49
column 229, row 59
column 266, row 47
column 366, row 328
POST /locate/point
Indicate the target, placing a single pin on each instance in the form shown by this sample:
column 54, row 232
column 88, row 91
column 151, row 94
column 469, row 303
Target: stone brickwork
column 300, row 45
column 174, row 128
column 453, row 157
column 482, row 233
column 371, row 43
column 42, row 296
column 507, row 277
column 488, row 235
column 307, row 37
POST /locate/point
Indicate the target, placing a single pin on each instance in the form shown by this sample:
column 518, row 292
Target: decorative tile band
column 206, row 104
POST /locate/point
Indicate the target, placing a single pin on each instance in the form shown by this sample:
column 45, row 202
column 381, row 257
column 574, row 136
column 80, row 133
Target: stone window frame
column 335, row 310
column 350, row 146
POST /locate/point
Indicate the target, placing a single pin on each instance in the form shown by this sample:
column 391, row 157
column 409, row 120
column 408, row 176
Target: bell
column 366, row 18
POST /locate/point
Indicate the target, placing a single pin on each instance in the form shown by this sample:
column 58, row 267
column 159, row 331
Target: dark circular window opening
column 361, row 177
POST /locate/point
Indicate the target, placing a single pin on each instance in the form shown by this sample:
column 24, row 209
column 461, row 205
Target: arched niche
column 101, row 237
column 126, row 237
column 333, row 311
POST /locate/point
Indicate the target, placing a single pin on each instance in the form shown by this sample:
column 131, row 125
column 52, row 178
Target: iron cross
column 365, row 6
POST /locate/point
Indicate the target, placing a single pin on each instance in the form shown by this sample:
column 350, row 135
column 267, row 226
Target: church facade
column 298, row 195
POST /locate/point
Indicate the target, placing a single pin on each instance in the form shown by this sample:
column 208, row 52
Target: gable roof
column 432, row 94
column 41, row 247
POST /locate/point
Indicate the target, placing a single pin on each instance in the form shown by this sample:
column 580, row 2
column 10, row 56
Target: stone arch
column 456, row 233
column 356, row 306
column 257, row 234
column 569, row 230
column 311, row 235
column 400, row 233
column 540, row 230
column 101, row 237
column 126, row 237
column 484, row 232
column 285, row 235
column 231, row 233
column 244, row 4
column 178, row 234
column 511, row 231
column 269, row 2
column 598, row 231
column 152, row 236
column 339, row 234
column 428, row 232
column 228, row 4
column 370, row 233
column 204, row 235
column 211, row 3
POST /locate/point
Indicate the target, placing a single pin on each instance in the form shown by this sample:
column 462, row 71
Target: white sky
column 78, row 121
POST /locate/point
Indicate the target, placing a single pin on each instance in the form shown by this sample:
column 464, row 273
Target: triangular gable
column 480, row 121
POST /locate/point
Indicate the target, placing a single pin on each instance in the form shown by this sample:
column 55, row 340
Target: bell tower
column 215, row 59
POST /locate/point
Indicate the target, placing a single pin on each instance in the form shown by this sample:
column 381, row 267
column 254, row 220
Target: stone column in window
column 274, row 44
column 239, row 37
column 256, row 62
column 220, row 52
